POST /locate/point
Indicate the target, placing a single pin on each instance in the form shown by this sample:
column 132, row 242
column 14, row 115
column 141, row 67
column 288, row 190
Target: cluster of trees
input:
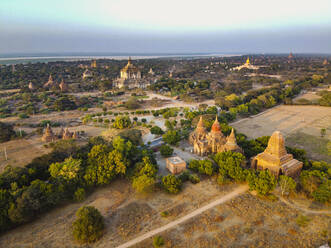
column 316, row 181
column 67, row 173
column 6, row 132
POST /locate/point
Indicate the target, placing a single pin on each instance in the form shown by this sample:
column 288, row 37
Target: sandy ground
column 301, row 126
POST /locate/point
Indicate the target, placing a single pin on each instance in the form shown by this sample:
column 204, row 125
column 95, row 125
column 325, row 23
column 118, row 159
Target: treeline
column 68, row 173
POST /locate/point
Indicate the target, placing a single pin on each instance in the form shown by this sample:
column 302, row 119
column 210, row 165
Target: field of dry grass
column 301, row 126
column 245, row 221
column 20, row 152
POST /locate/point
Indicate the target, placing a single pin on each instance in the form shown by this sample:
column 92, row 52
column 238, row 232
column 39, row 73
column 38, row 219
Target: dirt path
column 236, row 192
column 292, row 205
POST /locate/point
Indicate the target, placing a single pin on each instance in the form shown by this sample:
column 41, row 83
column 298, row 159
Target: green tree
column 80, row 194
column 311, row 180
column 89, row 225
column 263, row 183
column 172, row 137
column 6, row 132
column 166, row 151
column 171, row 184
column 143, row 183
column 156, row 130
column 287, row 184
column 122, row 122
column 323, row 132
column 69, row 170
column 230, row 164
column 158, row 241
column 323, row 192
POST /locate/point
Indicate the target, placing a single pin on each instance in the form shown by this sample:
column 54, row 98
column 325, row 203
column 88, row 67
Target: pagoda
column 276, row 159
column 63, row 86
column 48, row 135
column 205, row 143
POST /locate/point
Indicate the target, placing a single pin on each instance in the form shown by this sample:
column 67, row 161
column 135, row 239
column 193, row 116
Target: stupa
column 63, row 86
column 276, row 159
column 48, row 135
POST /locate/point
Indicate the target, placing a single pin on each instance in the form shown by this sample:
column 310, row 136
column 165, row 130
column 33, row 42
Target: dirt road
column 241, row 189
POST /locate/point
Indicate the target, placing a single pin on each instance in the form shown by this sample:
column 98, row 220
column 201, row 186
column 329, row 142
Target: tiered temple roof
column 48, row 135
column 276, row 159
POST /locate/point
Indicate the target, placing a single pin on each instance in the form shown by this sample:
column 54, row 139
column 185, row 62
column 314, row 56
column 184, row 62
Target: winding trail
column 241, row 189
column 303, row 208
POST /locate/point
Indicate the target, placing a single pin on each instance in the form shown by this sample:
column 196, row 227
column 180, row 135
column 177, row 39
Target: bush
column 89, row 225
column 302, row 221
column 122, row 122
column 156, row 130
column 143, row 183
column 6, row 132
column 158, row 241
column 166, row 151
column 172, row 137
column 171, row 184
column 263, row 183
column 202, row 166
column 80, row 194
column 194, row 179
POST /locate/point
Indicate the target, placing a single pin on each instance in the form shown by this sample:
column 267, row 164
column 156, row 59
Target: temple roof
column 276, row 145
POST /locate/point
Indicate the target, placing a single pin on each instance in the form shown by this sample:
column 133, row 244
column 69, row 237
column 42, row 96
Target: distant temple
column 205, row 143
column 64, row 134
column 130, row 71
column 247, row 65
column 48, row 135
column 151, row 72
column 87, row 74
column 290, row 56
column 31, row 86
column 325, row 62
column 50, row 83
column 130, row 76
column 94, row 64
column 276, row 159
column 63, row 86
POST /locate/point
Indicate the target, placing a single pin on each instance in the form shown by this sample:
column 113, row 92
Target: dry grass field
column 245, row 221
column 301, row 126
column 20, row 152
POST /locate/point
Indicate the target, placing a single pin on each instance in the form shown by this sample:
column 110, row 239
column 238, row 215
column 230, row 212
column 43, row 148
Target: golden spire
column 129, row 61
column 247, row 61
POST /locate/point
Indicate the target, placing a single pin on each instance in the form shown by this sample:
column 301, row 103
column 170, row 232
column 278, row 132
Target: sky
column 171, row 26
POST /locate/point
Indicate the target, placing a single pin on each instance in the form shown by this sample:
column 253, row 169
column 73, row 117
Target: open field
column 301, row 125
column 20, row 152
column 245, row 221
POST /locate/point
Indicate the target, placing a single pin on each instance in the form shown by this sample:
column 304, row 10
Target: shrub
column 156, row 130
column 166, row 151
column 143, row 183
column 287, row 184
column 164, row 214
column 194, row 179
column 172, row 137
column 302, row 220
column 158, row 241
column 6, row 132
column 122, row 122
column 89, row 225
column 171, row 184
column 80, row 194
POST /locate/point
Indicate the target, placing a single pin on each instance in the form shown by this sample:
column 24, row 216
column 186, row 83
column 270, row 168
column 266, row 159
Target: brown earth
column 301, row 126
column 245, row 221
